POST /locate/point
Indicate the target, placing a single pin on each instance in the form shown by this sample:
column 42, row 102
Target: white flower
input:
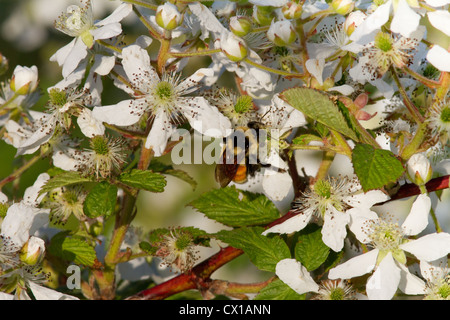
column 388, row 258
column 79, row 23
column 291, row 272
column 165, row 99
column 24, row 80
column 62, row 104
column 337, row 203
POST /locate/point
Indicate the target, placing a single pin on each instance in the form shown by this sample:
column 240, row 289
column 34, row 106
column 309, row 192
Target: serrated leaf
column 144, row 179
column 101, row 200
column 278, row 290
column 319, row 107
column 310, row 249
column 64, row 179
column 375, row 168
column 72, row 248
column 236, row 208
column 264, row 252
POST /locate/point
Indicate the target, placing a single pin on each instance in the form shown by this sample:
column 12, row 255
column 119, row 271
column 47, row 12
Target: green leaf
column 64, row 179
column 319, row 107
column 236, row 208
column 278, row 290
column 310, row 249
column 101, row 200
column 264, row 252
column 375, row 168
column 144, row 179
column 72, row 248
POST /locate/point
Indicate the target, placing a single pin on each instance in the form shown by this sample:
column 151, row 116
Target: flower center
column 100, row 145
column 383, row 42
column 386, row 236
column 323, row 189
column 444, row 290
column 164, row 91
column 445, row 114
column 57, row 97
column 243, row 104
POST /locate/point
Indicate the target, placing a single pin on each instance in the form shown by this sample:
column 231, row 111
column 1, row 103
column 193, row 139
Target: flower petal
column 291, row 272
column 417, row 219
column 334, row 229
column 356, row 266
column 383, row 284
column 440, row 19
column 430, row 247
column 43, row 293
column 359, row 219
column 125, row 113
column 277, row 185
column 410, row 283
column 405, row 20
column 31, row 195
column 21, row 221
column 117, row 15
column 203, row 117
column 160, row 133
column 89, row 125
column 439, row 58
column 366, row 200
column 77, row 53
column 136, row 63
column 296, row 223
column 373, row 22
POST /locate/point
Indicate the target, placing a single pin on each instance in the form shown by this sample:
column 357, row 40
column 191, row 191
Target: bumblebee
column 239, row 157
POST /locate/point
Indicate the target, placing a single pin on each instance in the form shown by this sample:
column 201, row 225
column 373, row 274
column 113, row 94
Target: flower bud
column 281, row 33
column 233, row 47
column 167, row 16
column 24, row 80
column 240, row 25
column 353, row 20
column 32, row 251
column 343, row 7
column 419, row 169
column 292, row 10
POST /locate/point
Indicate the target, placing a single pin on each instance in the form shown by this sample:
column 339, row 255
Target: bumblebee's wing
column 226, row 170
